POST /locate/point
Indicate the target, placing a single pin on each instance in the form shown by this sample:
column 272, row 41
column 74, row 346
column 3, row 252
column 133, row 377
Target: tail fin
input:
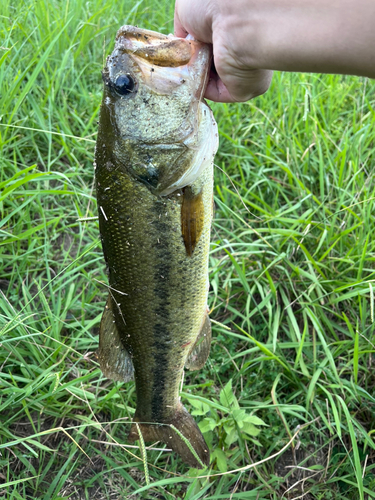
column 185, row 425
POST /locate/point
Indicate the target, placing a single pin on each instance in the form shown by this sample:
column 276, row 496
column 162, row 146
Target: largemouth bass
column 154, row 185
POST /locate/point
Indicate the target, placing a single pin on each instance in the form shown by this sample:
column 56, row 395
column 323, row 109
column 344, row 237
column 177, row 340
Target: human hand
column 316, row 36
column 232, row 78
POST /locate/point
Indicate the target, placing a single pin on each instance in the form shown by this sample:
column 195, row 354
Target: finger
column 258, row 83
column 241, row 88
column 255, row 83
column 194, row 17
column 217, row 91
column 179, row 30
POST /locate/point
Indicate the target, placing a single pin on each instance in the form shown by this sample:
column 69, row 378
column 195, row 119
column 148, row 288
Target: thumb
column 179, row 30
column 194, row 17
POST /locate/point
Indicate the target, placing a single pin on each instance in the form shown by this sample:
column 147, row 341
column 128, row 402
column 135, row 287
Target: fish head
column 153, row 112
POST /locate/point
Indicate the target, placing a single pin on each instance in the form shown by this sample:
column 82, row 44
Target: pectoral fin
column 192, row 219
column 201, row 349
column 115, row 361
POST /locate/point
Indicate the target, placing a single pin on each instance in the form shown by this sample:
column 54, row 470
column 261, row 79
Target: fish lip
column 157, row 48
column 130, row 31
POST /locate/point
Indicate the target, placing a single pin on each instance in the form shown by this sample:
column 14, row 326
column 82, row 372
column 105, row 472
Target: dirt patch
column 295, row 466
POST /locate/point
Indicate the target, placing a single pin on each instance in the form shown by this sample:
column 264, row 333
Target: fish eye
column 124, row 84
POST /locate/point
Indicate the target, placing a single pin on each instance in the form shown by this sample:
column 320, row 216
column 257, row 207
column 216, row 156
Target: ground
column 291, row 281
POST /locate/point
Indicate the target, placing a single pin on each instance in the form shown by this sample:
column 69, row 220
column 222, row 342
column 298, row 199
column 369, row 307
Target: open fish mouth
column 159, row 49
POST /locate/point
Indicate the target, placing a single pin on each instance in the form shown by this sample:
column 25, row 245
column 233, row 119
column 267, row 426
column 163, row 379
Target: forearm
column 329, row 36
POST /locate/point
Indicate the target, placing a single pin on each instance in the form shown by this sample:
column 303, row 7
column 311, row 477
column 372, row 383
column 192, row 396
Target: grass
column 291, row 271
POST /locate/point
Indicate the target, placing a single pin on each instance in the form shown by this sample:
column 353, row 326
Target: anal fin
column 115, row 361
column 201, row 349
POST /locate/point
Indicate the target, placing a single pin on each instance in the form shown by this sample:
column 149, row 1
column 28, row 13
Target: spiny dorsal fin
column 201, row 349
column 115, row 361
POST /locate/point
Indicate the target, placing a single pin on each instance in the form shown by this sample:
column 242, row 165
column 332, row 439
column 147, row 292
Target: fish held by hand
column 154, row 181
